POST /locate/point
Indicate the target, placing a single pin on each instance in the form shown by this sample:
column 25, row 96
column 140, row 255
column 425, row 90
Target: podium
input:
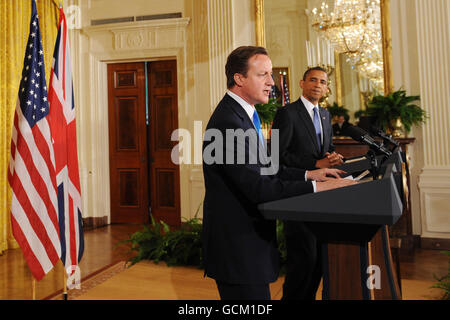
column 351, row 223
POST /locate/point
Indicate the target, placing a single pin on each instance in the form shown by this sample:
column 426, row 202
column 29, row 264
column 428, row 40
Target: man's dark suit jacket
column 341, row 131
column 298, row 142
column 239, row 245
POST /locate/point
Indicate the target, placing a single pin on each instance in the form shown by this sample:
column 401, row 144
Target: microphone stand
column 373, row 163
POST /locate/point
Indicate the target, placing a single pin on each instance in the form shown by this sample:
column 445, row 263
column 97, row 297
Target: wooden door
column 164, row 174
column 128, row 143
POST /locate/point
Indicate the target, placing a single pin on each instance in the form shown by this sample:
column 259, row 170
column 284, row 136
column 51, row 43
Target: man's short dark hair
column 237, row 62
column 312, row 69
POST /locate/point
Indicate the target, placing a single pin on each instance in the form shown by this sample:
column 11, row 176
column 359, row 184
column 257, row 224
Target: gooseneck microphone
column 386, row 138
column 362, row 136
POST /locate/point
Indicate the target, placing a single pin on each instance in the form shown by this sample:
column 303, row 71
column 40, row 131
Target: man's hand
column 334, row 184
column 324, row 174
column 331, row 160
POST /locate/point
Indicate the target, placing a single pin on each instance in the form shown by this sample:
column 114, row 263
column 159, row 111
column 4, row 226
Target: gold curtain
column 14, row 29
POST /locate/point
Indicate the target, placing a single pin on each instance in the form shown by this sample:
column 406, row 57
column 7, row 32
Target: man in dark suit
column 341, row 126
column 305, row 142
column 239, row 245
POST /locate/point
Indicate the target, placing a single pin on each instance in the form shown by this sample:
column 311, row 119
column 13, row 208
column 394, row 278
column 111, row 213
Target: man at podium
column 305, row 142
column 239, row 245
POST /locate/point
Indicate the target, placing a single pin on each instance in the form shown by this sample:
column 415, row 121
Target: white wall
column 200, row 42
column 421, row 46
column 107, row 9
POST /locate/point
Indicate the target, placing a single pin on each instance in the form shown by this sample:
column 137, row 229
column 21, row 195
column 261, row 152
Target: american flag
column 284, row 89
column 273, row 92
column 31, row 173
column 63, row 129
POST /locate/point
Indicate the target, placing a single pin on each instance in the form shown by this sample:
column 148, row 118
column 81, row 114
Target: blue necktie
column 317, row 126
column 257, row 124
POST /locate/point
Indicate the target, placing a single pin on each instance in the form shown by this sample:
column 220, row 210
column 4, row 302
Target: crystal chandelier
column 354, row 28
column 372, row 70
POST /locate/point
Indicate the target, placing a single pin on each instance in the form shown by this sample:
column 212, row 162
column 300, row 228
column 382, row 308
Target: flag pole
column 33, row 288
column 65, row 285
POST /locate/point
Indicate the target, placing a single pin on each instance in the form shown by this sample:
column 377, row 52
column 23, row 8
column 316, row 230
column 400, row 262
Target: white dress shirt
column 310, row 108
column 249, row 109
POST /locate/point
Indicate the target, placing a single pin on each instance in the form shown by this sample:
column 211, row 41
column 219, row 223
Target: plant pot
column 395, row 128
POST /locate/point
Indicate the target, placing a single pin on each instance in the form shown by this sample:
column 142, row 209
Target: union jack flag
column 31, row 174
column 63, row 130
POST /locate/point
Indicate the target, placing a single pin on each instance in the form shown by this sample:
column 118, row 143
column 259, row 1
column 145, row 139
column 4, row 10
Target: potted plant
column 444, row 282
column 336, row 110
column 395, row 110
column 266, row 114
column 177, row 247
column 267, row 111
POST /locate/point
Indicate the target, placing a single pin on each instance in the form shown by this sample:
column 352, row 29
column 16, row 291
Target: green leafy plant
column 158, row 242
column 444, row 282
column 281, row 246
column 179, row 247
column 394, row 106
column 267, row 111
column 336, row 110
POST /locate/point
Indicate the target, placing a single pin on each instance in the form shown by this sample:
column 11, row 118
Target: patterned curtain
column 14, row 28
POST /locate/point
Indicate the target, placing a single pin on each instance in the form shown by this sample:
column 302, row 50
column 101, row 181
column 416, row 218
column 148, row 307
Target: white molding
column 197, row 190
column 433, row 47
column 434, row 186
column 177, row 23
column 106, row 44
column 435, row 178
column 221, row 41
column 433, row 54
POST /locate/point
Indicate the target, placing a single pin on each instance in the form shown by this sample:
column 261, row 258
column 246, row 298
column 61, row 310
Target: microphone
column 361, row 135
column 380, row 133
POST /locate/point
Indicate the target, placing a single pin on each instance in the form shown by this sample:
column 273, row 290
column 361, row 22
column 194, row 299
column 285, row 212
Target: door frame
column 150, row 186
column 104, row 65
column 99, row 93
column 96, row 46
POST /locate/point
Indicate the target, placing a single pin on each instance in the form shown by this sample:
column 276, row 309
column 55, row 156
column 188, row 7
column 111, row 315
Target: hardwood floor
column 101, row 251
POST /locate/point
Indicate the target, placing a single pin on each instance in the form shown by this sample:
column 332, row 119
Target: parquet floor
column 101, row 251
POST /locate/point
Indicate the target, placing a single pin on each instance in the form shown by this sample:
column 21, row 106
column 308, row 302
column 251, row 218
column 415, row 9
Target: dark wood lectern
column 351, row 223
column 403, row 227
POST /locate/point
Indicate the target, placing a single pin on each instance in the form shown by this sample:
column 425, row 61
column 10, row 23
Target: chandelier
column 354, row 28
column 372, row 69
